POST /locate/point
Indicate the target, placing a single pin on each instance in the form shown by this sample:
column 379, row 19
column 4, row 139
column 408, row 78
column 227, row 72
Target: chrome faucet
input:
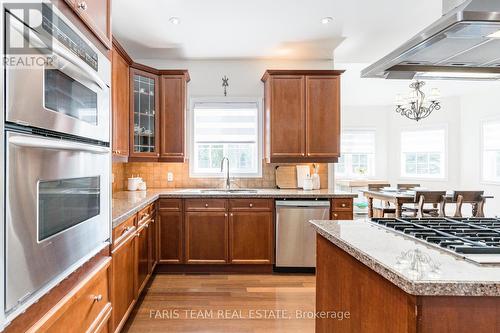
column 228, row 182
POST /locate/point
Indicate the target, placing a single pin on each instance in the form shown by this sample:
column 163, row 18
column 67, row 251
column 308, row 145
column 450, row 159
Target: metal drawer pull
column 82, row 5
column 344, row 205
column 206, row 205
column 251, row 205
column 335, row 215
column 225, row 214
column 127, row 229
column 98, row 298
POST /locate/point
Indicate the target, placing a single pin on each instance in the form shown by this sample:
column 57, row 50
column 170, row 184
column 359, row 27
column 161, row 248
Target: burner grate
column 464, row 235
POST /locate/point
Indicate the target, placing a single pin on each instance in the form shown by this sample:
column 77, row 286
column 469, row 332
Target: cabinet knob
column 231, row 214
column 138, row 235
column 343, row 205
column 251, row 205
column 303, row 154
column 335, row 215
column 308, row 154
column 225, row 214
column 206, row 205
column 153, row 221
column 82, row 5
column 98, row 298
column 146, row 226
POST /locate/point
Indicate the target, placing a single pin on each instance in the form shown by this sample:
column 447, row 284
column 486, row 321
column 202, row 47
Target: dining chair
column 384, row 208
column 475, row 198
column 430, row 197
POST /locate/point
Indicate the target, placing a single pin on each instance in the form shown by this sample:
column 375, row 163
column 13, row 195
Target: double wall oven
column 57, row 156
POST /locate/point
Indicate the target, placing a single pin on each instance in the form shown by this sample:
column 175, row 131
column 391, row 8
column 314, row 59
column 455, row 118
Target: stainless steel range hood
column 463, row 44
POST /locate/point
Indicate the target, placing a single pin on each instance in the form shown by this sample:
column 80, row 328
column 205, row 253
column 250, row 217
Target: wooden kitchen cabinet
column 251, row 237
column 144, row 116
column 171, row 232
column 122, row 287
column 323, row 116
column 142, row 257
column 172, row 119
column 342, row 209
column 120, row 102
column 96, row 14
column 302, row 116
column 206, row 239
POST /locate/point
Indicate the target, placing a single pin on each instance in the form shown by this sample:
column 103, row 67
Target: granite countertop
column 126, row 204
column 380, row 249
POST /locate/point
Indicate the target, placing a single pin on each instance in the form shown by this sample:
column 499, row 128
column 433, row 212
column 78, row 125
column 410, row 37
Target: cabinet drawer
column 342, row 216
column 170, row 205
column 251, row 204
column 121, row 232
column 342, row 204
column 85, row 307
column 144, row 214
column 205, row 204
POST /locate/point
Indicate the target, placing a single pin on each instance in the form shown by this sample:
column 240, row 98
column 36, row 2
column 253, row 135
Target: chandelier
column 415, row 106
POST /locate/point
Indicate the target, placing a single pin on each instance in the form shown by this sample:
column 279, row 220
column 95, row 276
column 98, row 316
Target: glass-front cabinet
column 144, row 138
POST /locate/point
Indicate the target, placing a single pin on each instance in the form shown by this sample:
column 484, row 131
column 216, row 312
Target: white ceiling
column 367, row 92
column 362, row 30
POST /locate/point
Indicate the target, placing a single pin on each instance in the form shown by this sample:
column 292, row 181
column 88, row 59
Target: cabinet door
column 287, row 131
column 171, row 238
column 323, row 116
column 144, row 122
column 153, row 233
column 251, row 237
column 120, row 105
column 206, row 237
column 173, row 105
column 122, row 287
column 97, row 16
column 142, row 257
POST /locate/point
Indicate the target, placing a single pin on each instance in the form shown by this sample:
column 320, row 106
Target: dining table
column 399, row 198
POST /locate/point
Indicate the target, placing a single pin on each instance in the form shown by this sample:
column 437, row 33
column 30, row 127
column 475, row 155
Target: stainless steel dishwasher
column 295, row 237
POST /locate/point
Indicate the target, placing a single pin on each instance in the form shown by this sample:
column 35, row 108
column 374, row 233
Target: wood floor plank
column 225, row 303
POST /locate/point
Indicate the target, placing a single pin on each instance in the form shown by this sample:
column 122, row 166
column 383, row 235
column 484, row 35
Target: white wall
column 244, row 75
column 475, row 109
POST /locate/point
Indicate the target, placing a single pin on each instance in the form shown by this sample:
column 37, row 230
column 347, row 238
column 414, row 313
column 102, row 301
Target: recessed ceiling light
column 174, row 20
column 326, row 20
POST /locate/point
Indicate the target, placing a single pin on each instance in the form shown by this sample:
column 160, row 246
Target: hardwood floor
column 225, row 303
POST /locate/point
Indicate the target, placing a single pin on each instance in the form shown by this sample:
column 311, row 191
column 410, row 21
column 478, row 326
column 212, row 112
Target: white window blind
column 226, row 130
column 423, row 153
column 491, row 151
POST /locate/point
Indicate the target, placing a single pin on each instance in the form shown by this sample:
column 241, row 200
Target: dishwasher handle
column 302, row 203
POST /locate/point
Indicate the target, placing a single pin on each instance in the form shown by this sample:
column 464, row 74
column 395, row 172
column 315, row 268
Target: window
column 491, row 151
column 358, row 154
column 423, row 153
column 226, row 129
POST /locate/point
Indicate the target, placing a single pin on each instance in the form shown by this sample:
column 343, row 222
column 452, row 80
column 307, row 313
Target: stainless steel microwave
column 57, row 211
column 69, row 91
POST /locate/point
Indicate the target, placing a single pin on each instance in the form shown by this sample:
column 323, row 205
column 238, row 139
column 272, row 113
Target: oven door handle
column 41, row 143
column 60, row 51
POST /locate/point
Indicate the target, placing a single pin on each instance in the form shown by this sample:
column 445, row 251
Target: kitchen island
column 367, row 272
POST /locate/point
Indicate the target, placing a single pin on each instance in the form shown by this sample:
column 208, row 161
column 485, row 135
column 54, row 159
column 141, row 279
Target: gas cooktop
column 475, row 239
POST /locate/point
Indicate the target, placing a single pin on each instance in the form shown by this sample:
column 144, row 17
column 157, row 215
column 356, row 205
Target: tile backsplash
column 155, row 176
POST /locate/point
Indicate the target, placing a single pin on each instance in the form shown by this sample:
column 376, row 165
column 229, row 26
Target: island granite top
column 381, row 250
column 127, row 203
